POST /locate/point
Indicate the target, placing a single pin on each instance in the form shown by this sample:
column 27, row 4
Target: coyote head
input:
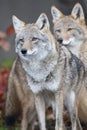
column 69, row 30
column 33, row 40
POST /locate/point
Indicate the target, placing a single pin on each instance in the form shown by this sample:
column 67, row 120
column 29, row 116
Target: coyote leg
column 59, row 110
column 40, row 107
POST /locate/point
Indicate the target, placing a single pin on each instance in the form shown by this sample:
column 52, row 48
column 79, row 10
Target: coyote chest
column 50, row 84
column 43, row 77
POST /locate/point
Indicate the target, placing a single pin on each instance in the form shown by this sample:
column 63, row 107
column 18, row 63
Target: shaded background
column 29, row 11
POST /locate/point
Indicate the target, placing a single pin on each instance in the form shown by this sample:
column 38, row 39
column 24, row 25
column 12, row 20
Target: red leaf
column 3, row 42
column 4, row 78
column 10, row 30
column 5, row 71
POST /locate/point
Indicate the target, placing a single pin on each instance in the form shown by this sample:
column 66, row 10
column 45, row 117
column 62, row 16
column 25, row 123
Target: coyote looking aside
column 52, row 71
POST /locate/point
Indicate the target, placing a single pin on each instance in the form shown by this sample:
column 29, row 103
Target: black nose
column 24, row 51
column 60, row 40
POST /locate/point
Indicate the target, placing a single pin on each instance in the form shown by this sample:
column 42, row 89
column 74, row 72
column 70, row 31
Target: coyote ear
column 56, row 14
column 18, row 24
column 43, row 22
column 77, row 12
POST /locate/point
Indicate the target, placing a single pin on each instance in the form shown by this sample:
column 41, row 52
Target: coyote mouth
column 30, row 53
column 66, row 43
column 33, row 52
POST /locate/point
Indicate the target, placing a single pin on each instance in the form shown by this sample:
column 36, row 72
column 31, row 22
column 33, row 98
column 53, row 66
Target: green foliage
column 6, row 63
column 3, row 127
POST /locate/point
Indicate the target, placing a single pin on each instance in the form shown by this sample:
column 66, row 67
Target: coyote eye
column 58, row 30
column 21, row 40
column 34, row 39
column 69, row 29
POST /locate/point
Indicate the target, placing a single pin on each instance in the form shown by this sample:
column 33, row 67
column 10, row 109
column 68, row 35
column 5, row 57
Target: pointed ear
column 18, row 24
column 77, row 12
column 43, row 22
column 56, row 14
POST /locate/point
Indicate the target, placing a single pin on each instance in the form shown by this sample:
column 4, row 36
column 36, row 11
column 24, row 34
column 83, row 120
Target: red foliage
column 3, row 86
column 10, row 30
column 3, row 42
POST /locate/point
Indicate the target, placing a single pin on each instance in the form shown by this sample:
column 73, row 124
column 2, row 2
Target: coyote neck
column 76, row 50
column 39, row 70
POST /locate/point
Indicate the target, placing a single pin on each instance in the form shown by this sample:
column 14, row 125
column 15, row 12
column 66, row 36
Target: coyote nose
column 60, row 40
column 24, row 51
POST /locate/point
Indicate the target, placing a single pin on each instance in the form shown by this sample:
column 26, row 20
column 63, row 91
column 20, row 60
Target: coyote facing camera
column 53, row 72
column 20, row 99
column 71, row 31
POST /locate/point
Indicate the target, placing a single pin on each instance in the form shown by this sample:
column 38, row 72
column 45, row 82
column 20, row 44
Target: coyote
column 71, row 31
column 53, row 72
column 20, row 98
